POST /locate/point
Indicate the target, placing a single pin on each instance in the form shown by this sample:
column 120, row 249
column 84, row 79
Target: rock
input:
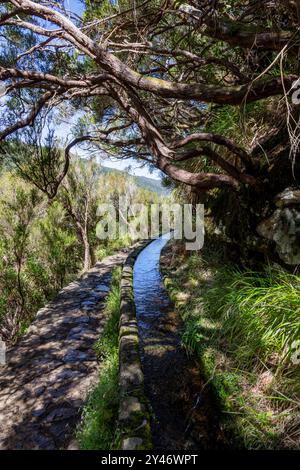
column 102, row 288
column 38, row 391
column 61, row 414
column 283, row 227
column 42, row 442
column 67, row 320
column 68, row 374
column 39, row 412
column 77, row 330
column 88, row 337
column 129, row 406
column 81, row 320
column 101, row 295
column 73, row 445
column 88, row 303
column 59, row 430
column 267, row 227
column 288, row 197
column 75, row 356
column 132, row 443
column 88, row 309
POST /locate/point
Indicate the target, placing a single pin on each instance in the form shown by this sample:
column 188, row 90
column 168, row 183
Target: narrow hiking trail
column 51, row 369
column 184, row 413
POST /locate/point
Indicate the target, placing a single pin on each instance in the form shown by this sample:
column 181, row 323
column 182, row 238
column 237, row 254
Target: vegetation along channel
column 183, row 416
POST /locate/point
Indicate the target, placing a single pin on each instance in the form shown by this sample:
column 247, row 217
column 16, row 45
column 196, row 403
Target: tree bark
column 82, row 236
column 87, row 252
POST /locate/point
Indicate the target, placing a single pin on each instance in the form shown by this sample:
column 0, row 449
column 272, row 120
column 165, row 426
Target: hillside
column 142, row 181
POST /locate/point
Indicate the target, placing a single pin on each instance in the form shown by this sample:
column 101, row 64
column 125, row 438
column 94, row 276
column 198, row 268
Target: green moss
column 139, row 422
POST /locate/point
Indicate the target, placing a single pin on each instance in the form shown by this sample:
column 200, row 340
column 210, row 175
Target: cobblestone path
column 50, row 371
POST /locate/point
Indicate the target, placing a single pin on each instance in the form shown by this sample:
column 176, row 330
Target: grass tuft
column 242, row 325
column 97, row 430
column 260, row 314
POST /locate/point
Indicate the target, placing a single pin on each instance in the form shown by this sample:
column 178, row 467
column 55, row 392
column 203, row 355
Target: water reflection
column 149, row 293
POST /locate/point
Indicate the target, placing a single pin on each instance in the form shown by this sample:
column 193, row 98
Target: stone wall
column 134, row 417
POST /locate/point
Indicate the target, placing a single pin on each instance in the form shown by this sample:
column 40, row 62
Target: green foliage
column 39, row 164
column 242, row 325
column 225, row 121
column 19, row 206
column 39, row 253
column 261, row 313
column 111, row 246
column 97, row 430
column 45, row 244
column 60, row 246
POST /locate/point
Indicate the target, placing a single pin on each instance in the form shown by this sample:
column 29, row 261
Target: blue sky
column 77, row 7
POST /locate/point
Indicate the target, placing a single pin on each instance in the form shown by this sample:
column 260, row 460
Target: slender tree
column 79, row 196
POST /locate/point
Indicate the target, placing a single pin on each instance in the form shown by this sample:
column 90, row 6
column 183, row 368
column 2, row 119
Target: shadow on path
column 52, row 368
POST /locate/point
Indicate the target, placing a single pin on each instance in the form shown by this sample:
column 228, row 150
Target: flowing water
column 149, row 293
column 183, row 414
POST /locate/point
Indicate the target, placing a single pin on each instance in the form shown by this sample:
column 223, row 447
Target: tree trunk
column 82, row 233
column 87, row 252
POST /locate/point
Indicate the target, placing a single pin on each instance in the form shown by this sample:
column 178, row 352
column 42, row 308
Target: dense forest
column 206, row 95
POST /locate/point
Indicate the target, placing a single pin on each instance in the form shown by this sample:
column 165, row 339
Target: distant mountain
column 141, row 181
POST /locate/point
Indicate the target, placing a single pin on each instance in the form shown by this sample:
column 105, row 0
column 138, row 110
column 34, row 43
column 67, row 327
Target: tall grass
column 242, row 326
column 98, row 427
column 260, row 313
